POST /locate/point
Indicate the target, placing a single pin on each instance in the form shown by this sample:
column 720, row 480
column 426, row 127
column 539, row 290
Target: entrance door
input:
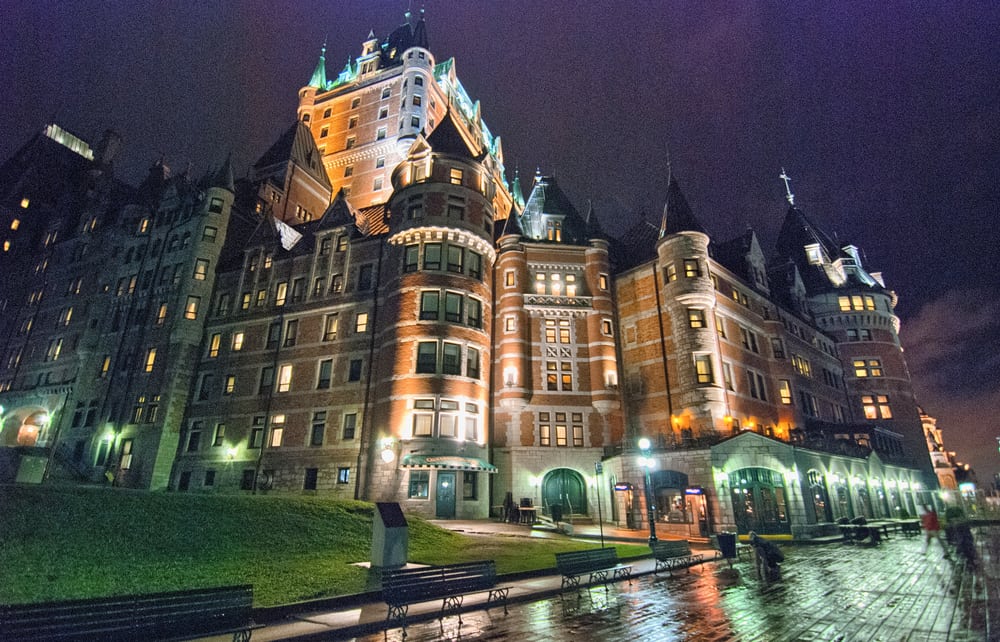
column 445, row 496
column 566, row 488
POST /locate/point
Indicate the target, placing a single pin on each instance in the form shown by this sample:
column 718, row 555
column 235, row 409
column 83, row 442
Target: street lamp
column 646, row 462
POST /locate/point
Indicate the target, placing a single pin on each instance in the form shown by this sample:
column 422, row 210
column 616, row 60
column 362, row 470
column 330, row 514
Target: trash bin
column 727, row 545
column 556, row 510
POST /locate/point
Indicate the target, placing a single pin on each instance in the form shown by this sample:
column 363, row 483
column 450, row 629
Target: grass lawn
column 65, row 543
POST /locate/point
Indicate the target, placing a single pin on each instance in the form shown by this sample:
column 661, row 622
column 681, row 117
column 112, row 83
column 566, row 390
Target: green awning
column 454, row 462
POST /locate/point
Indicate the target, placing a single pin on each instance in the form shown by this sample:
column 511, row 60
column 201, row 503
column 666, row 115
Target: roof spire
column 666, row 205
column 788, row 189
column 318, row 79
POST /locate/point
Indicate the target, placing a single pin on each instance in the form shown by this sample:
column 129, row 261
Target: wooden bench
column 179, row 615
column 597, row 563
column 671, row 554
column 449, row 583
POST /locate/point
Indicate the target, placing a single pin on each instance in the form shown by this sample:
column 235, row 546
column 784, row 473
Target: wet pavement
column 827, row 592
column 830, row 592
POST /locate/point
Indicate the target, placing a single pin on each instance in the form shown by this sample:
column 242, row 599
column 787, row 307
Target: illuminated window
column 801, row 365
column 561, row 429
column 150, row 359
column 540, row 283
column 277, row 430
column 361, row 323
column 720, row 325
column 703, row 368
column 509, row 324
column 867, row 368
column 330, row 327
column 508, row 278
column 125, row 462
column 544, row 429
column 105, row 366
column 670, row 274
column 455, row 176
column 213, row 345
column 230, row 386
column 696, row 317
column 423, row 422
column 25, row 202
column 191, row 307
column 337, row 283
column 200, row 269
column 237, row 341
column 282, row 294
column 785, row 391
column 14, row 224
column 570, row 285
column 245, row 301
column 602, row 281
column 420, row 483
column 285, row 377
column 553, row 230
column 691, row 268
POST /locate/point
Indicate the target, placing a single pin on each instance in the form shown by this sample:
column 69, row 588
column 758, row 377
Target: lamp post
column 646, row 462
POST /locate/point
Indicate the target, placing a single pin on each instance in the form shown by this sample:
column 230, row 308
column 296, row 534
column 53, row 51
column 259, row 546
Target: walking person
column 932, row 529
column 767, row 558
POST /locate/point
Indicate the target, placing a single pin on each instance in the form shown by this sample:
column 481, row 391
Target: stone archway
column 567, row 488
column 759, row 501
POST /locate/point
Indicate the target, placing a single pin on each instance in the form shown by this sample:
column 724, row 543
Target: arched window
column 759, row 501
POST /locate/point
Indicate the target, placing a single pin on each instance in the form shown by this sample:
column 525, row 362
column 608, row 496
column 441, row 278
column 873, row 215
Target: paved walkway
column 829, row 592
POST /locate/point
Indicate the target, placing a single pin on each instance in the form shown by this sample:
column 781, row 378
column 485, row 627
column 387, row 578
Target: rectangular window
column 455, row 259
column 230, row 386
column 311, row 479
column 354, row 370
column 220, row 435
column 509, row 324
column 472, row 363
column 350, row 425
column 365, row 278
column 419, row 484
column 337, row 283
column 237, row 341
column 256, row 433
column 427, row 357
column 703, row 368
column 451, row 362
column 429, row 304
column 277, row 430
column 291, row 332
column 544, row 429
column 281, row 294
column 432, row 256
column 469, row 485
column 691, row 268
column 379, row 135
column 205, row 389
column 343, row 475
column 778, row 348
column 330, row 327
column 474, row 313
column 150, row 359
column 755, row 381
column 213, row 345
column 191, row 307
column 453, row 307
column 876, row 406
column 318, row 431
column 266, row 380
column 867, row 368
column 785, row 391
column 318, row 286
column 696, row 317
column 720, row 326
column 411, row 258
column 273, row 334
column 342, row 243
column 561, row 430
column 551, row 375
column 351, row 142
column 474, row 264
column 194, row 437
column 361, row 323
column 285, row 377
column 200, row 269
column 727, row 376
column 325, row 374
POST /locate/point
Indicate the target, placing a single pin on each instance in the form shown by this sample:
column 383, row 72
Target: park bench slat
column 169, row 615
column 671, row 554
column 597, row 563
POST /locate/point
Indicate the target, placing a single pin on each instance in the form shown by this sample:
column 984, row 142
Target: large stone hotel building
column 379, row 312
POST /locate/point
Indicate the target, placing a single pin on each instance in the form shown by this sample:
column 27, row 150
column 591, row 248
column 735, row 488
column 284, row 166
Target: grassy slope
column 63, row 543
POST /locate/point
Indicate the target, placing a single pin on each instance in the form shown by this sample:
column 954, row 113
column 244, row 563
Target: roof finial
column 788, row 189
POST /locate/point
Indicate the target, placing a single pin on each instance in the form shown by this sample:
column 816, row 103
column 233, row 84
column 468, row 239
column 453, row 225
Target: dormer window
column 813, row 254
column 553, row 230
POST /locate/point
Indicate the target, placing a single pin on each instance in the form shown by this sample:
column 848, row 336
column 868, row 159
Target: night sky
column 885, row 115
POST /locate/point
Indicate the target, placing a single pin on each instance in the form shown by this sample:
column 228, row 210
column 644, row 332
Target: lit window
column 361, row 323
column 285, row 377
column 237, row 341
column 510, row 324
column 867, row 368
column 703, row 368
column 230, row 386
column 419, row 487
column 282, row 294
column 696, row 317
column 213, row 345
column 220, row 435
column 720, row 326
column 785, row 391
column 191, row 307
column 150, row 359
column 691, row 268
column 277, row 430
column 330, row 327
column 671, row 273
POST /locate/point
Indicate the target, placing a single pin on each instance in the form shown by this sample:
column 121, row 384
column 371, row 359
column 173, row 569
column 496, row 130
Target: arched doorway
column 759, row 501
column 820, row 498
column 566, row 488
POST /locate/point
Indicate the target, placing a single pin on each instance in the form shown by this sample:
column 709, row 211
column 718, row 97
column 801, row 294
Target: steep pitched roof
column 338, row 213
column 636, row 245
column 447, row 139
column 318, row 78
column 295, row 145
column 677, row 214
column 548, row 203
